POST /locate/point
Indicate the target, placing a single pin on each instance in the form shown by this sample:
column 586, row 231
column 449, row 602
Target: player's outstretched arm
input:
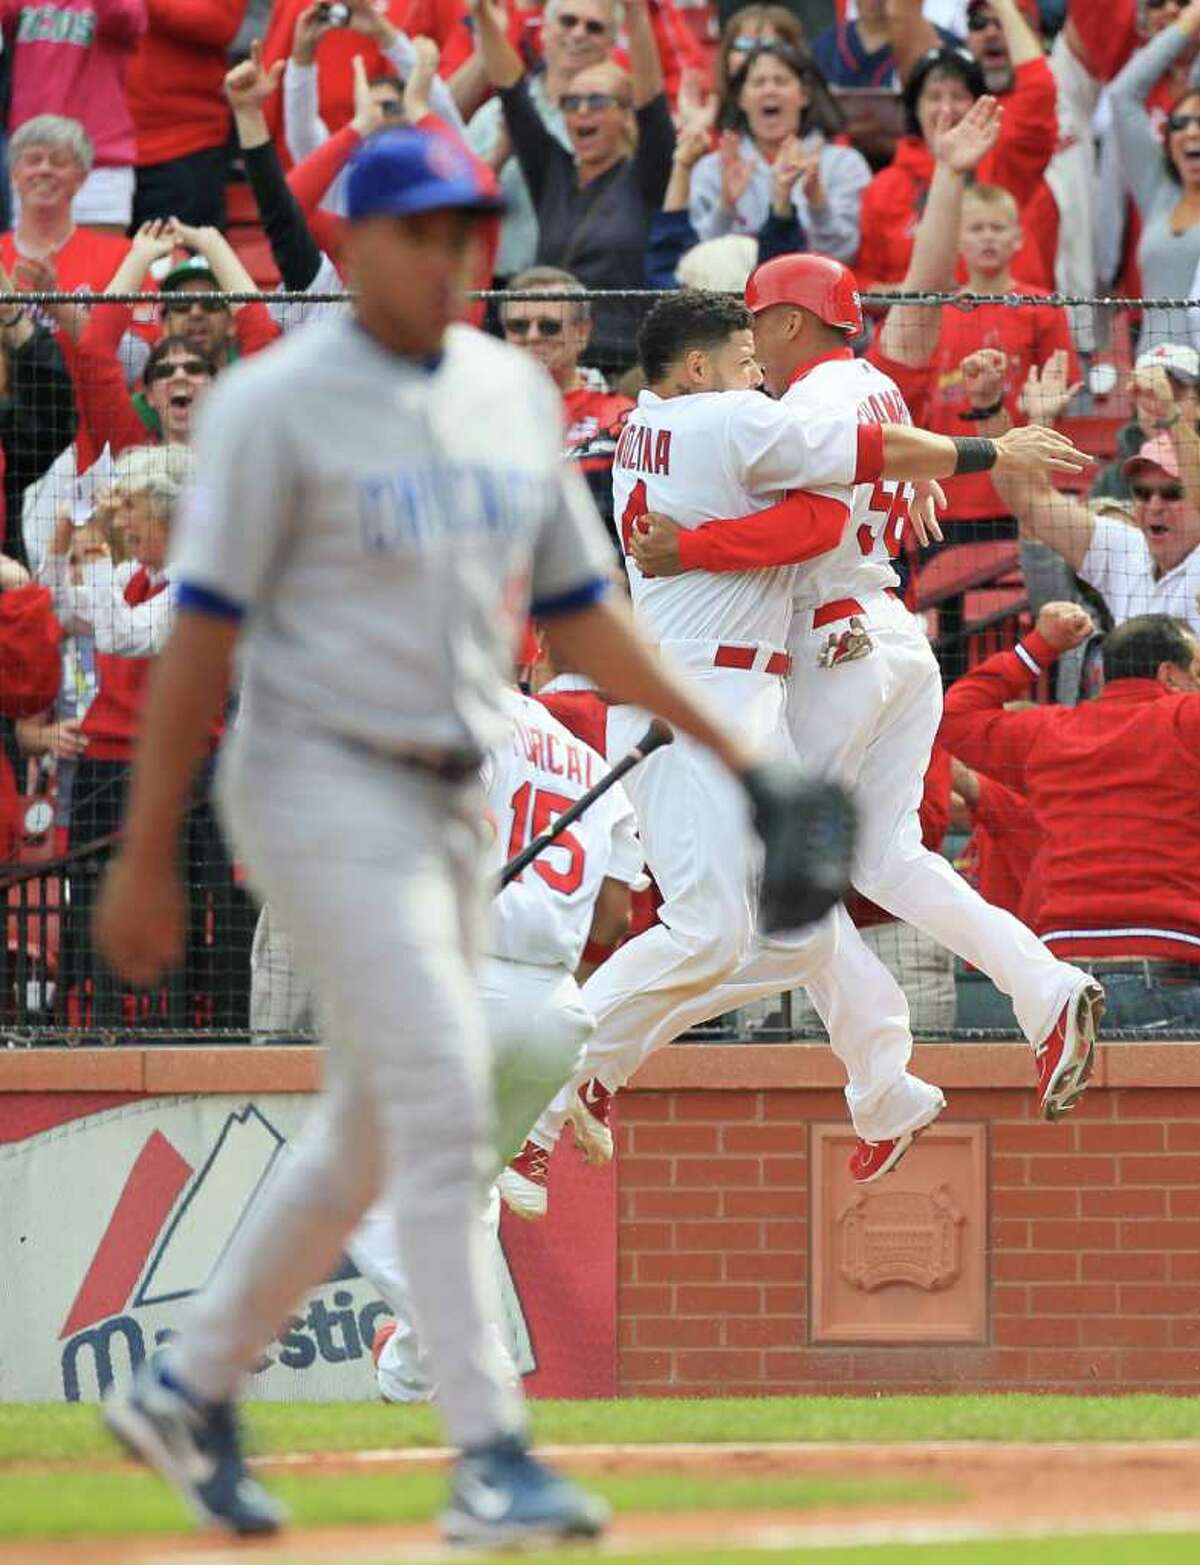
column 141, row 916
column 797, row 529
column 1030, row 452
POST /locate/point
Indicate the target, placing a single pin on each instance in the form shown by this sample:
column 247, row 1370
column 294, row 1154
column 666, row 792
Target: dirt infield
column 1004, row 1490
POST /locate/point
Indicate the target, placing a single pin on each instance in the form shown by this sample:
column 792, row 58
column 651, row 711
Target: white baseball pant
column 374, row 870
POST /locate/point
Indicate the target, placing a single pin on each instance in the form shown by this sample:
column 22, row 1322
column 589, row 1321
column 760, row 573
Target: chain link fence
column 97, row 392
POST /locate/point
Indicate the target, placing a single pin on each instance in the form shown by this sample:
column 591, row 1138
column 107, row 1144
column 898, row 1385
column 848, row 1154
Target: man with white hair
column 50, row 158
column 575, row 34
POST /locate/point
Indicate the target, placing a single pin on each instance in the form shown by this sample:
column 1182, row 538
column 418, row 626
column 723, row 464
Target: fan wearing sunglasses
column 1164, row 175
column 594, row 203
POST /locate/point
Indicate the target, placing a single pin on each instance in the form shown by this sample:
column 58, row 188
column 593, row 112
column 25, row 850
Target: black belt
column 1147, row 967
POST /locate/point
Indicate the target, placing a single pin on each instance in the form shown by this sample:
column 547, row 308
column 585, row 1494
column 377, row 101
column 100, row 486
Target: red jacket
column 111, row 723
column 1000, row 858
column 1114, row 785
column 894, row 200
column 30, row 665
column 175, row 84
column 71, row 57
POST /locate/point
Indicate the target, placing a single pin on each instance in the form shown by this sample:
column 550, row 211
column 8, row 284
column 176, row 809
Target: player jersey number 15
column 534, row 811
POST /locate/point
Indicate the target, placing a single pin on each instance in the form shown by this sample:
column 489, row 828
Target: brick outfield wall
column 1089, row 1252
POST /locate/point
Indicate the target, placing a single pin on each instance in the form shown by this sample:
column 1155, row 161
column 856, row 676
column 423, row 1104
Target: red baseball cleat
column 384, row 1333
column 1064, row 1056
column 522, row 1185
column 589, row 1118
column 871, row 1160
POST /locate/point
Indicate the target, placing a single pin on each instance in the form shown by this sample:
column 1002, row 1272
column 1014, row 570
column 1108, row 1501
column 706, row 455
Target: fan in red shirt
column 179, row 113
column 1114, row 784
column 1000, row 858
column 1007, row 63
column 556, row 334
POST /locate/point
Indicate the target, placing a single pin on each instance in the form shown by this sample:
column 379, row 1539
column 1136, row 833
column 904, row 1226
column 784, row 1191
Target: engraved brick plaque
column 905, row 1259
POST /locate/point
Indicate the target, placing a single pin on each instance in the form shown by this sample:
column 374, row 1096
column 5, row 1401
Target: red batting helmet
column 811, row 282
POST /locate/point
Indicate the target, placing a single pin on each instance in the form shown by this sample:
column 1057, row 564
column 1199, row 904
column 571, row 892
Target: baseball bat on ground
column 657, row 735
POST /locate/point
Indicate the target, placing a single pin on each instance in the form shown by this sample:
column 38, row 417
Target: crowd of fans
column 992, row 147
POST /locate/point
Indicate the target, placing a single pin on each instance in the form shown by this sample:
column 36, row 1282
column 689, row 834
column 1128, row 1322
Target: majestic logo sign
column 901, row 1236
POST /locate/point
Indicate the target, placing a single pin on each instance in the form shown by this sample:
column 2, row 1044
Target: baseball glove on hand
column 807, row 829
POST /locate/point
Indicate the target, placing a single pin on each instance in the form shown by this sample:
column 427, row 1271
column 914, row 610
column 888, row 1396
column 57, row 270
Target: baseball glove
column 807, row 829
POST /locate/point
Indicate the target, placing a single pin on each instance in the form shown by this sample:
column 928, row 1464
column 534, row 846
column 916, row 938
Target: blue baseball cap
column 398, row 172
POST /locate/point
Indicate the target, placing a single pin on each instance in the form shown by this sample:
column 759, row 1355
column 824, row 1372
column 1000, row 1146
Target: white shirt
column 1121, row 568
column 382, row 525
column 532, row 776
column 720, row 455
column 96, row 606
column 861, row 562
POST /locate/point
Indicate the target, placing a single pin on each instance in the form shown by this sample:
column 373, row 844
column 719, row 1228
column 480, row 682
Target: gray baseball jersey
column 382, row 526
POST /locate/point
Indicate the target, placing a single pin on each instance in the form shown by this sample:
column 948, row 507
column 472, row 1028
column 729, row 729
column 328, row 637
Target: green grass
column 126, row 1503
column 54, row 1433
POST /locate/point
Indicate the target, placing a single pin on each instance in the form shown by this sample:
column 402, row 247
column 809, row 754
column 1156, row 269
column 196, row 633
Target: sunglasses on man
column 547, row 325
column 1182, row 122
column 980, row 18
column 569, row 22
column 577, row 102
column 180, row 303
column 1170, row 494
column 1157, row 5
column 167, row 368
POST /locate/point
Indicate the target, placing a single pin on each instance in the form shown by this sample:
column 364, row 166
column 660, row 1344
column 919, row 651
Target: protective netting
column 1048, row 811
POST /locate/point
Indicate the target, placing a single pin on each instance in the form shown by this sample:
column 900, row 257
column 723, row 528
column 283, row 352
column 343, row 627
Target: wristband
column 974, row 456
column 981, row 415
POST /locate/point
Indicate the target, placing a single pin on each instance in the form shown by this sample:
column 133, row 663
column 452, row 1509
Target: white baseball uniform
column 380, row 535
column 870, row 721
column 692, row 457
column 536, row 1018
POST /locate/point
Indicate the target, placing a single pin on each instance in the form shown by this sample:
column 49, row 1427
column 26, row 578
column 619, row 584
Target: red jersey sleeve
column 934, row 812
column 30, row 664
column 976, row 728
column 1107, row 31
column 101, row 394
column 309, row 180
column 255, row 328
column 798, row 528
column 999, row 809
column 1028, row 133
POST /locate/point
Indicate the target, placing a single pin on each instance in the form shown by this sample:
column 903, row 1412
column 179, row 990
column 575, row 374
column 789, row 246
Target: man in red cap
column 864, row 689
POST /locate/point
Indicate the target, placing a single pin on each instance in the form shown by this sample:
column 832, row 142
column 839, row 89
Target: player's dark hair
column 1139, row 647
column 165, row 346
column 685, row 321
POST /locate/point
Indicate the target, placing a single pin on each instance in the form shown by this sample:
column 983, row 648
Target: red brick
column 1036, row 1332
column 636, row 1367
column 1035, row 1203
column 765, row 1266
column 718, row 1172
column 765, row 1138
column 1184, row 1203
column 720, row 1365
column 691, row 1106
column 636, row 1107
column 626, row 1267
column 1097, row 1365
column 1035, row 1266
column 673, row 1203
column 627, row 1332
column 671, row 1266
column 791, row 1171
column 717, row 1298
column 646, row 1299
column 1184, row 1333
column 1157, row 1103
column 761, row 1203
column 1122, row 1137
column 1115, row 1266
column 1058, row 1139
column 802, row 1366
column 1185, row 1268
column 1010, row 1234
column 1175, row 1367
column 645, row 1236
column 1092, row 1106
column 678, row 1331
column 1126, row 1202
column 645, row 1173
column 1165, row 1235
column 1010, row 1299
column 996, row 1105
column 670, row 1140
column 717, row 1236
column 1115, row 1331
column 1009, row 1171
column 785, row 1301
column 785, row 1236
column 1073, row 1299
column 802, row 1107
column 1174, row 1299
column 1183, row 1136
column 1085, row 1171
column 769, row 1331
column 1084, row 1234
column 1164, row 1170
